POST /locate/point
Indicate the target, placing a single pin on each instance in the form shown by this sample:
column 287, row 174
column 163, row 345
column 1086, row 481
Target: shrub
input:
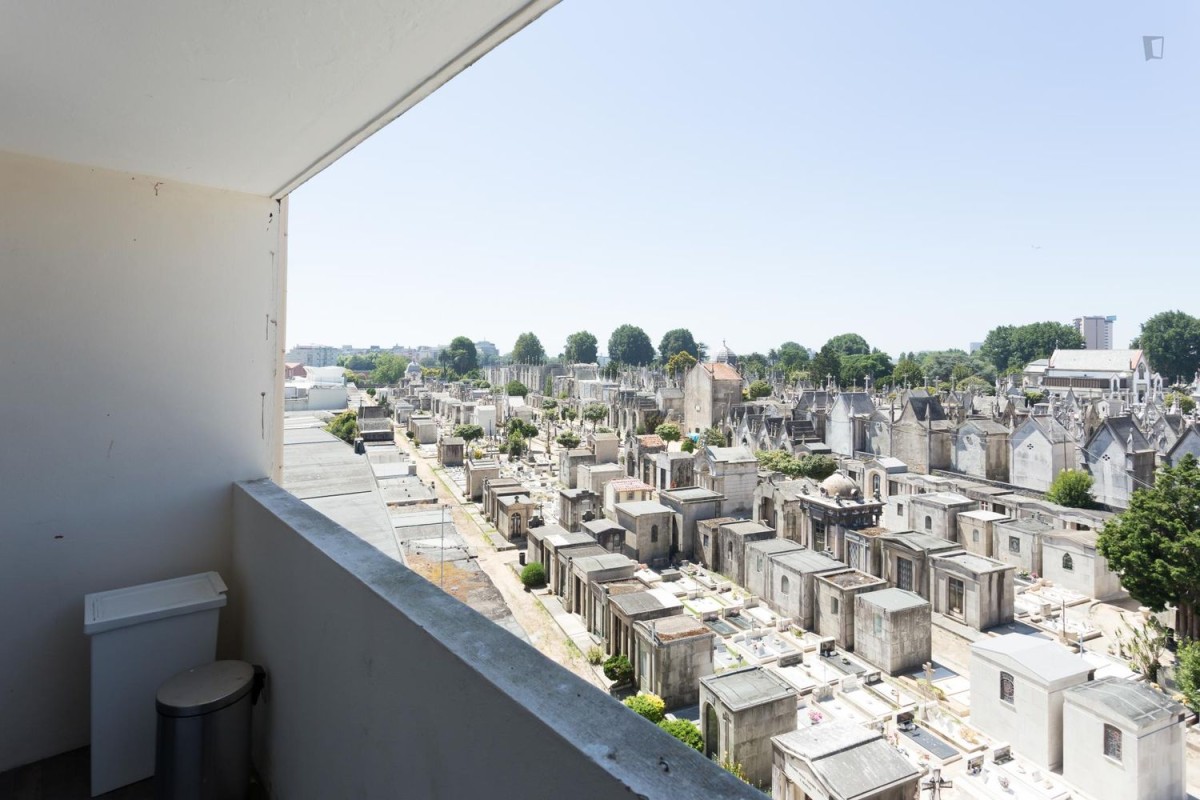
column 1072, row 488
column 688, row 446
column 734, row 768
column 533, row 575
column 594, row 655
column 344, row 426
column 568, row 440
column 1186, row 404
column 1187, row 672
column 647, row 705
column 618, row 669
column 516, row 389
column 668, row 432
column 684, row 731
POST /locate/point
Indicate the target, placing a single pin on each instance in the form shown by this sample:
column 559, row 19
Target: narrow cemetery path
column 543, row 632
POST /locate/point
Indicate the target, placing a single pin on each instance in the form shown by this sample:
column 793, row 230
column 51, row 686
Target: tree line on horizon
column 1171, row 341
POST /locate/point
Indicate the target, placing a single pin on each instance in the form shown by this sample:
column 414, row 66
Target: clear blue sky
column 917, row 172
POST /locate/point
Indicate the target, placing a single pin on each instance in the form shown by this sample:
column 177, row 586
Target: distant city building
column 486, row 350
column 313, row 355
column 975, row 347
column 1097, row 332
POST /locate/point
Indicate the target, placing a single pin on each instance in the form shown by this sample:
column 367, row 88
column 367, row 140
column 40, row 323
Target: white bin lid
column 119, row 608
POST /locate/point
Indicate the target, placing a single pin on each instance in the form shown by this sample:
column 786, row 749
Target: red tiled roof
column 629, row 484
column 722, row 371
column 651, row 440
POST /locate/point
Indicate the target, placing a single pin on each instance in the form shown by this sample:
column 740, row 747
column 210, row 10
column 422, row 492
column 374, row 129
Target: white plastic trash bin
column 141, row 636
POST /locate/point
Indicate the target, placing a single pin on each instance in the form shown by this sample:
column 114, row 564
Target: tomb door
column 954, row 599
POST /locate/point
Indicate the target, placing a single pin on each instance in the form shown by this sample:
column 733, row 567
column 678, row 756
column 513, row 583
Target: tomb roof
column 892, row 599
column 745, row 688
column 852, row 760
column 1125, row 703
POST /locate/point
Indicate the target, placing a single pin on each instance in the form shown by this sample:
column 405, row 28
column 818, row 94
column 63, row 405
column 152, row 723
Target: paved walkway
column 539, row 623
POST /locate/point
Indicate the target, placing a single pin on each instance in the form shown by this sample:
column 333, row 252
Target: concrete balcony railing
column 382, row 686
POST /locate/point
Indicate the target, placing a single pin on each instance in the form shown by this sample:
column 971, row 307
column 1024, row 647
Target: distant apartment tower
column 1096, row 332
column 486, row 351
column 314, row 355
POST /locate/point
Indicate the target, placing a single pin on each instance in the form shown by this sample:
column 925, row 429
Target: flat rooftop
column 744, row 688
column 850, row 579
column 1125, row 703
column 974, row 563
column 747, row 528
column 680, row 626
column 983, row 516
column 1026, row 525
column 641, row 507
column 694, row 493
column 893, row 599
column 1040, row 659
column 808, row 561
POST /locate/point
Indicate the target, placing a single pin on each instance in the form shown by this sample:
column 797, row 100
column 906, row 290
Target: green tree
column 568, row 440
column 1010, row 347
column 528, row 350
column 1186, row 404
column 685, row 731
column 516, row 389
column 1072, row 488
column 461, row 356
column 388, row 369
column 1155, row 544
column 669, row 432
column 791, row 357
column 713, row 437
column 644, row 704
column 359, row 362
column 779, row 461
column 629, row 344
column 907, row 373
column 678, row 340
column 581, row 348
column 680, row 364
column 594, row 412
column 370, row 391
column 1187, row 672
column 826, row 364
column 754, row 365
column 855, row 368
column 945, row 364
column 759, row 389
column 688, row 446
column 1171, row 341
column 468, row 433
column 519, row 427
column 849, row 344
column 515, row 445
column 817, row 467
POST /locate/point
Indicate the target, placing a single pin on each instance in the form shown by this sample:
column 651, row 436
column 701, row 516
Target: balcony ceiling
column 249, row 96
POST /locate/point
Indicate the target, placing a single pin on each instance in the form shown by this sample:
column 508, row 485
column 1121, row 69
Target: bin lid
column 104, row 611
column 204, row 689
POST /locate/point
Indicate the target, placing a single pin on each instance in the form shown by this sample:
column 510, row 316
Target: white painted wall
column 380, row 685
column 1152, row 767
column 133, row 484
